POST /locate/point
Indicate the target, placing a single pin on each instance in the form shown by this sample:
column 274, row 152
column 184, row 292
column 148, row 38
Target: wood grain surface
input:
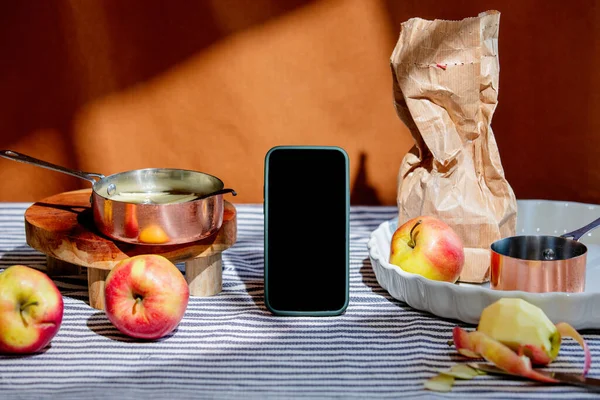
column 61, row 226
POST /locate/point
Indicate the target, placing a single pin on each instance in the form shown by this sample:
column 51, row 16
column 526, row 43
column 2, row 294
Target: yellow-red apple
column 31, row 310
column 429, row 247
column 145, row 296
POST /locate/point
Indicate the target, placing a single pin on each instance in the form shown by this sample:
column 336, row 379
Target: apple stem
column 31, row 303
column 411, row 242
column 22, row 308
column 138, row 300
column 24, row 320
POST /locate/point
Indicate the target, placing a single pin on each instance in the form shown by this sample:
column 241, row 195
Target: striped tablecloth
column 230, row 346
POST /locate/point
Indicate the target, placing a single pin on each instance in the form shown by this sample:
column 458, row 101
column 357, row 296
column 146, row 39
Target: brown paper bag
column 445, row 80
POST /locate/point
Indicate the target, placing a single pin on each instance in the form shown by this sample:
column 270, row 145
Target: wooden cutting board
column 62, row 227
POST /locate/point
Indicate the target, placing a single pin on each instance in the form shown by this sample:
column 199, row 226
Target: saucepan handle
column 222, row 191
column 577, row 234
column 13, row 155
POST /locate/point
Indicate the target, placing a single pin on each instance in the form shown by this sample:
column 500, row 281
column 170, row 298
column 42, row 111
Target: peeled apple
column 521, row 328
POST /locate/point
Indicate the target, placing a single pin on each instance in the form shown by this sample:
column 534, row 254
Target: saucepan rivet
column 549, row 254
column 111, row 189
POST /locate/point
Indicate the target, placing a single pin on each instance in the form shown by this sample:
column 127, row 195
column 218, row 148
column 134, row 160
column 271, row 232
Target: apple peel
column 479, row 345
column 444, row 381
column 440, row 383
column 567, row 330
column 462, row 371
column 535, row 354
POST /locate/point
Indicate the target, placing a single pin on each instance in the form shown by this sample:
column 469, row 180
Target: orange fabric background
column 107, row 86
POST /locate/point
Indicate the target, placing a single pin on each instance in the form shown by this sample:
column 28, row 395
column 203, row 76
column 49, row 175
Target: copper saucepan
column 541, row 263
column 150, row 206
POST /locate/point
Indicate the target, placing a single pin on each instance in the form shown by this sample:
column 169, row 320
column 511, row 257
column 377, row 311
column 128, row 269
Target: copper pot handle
column 13, row 155
column 222, row 191
column 577, row 234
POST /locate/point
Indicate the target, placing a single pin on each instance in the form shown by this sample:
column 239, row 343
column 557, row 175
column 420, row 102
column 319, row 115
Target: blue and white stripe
column 230, row 346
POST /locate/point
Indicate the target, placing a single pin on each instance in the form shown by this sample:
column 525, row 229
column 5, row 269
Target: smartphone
column 306, row 243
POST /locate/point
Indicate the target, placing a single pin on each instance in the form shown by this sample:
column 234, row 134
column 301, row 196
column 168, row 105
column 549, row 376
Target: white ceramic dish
column 465, row 302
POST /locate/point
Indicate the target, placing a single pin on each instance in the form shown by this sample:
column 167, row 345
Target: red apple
column 429, row 247
column 145, row 296
column 31, row 310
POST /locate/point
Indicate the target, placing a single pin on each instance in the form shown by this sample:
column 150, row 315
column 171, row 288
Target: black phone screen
column 306, row 231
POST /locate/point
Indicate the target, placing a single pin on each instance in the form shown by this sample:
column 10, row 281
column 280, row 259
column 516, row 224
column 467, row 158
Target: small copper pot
column 541, row 263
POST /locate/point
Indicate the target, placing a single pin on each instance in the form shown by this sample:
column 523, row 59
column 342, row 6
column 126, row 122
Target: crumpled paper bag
column 445, row 83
